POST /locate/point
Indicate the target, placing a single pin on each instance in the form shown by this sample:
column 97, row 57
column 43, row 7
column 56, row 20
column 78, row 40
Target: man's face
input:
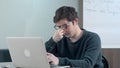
column 66, row 26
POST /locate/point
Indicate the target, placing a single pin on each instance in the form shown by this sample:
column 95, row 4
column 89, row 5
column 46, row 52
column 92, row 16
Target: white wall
column 29, row 17
column 103, row 17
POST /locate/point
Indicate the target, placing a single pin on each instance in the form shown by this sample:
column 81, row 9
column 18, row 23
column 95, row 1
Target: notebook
column 28, row 52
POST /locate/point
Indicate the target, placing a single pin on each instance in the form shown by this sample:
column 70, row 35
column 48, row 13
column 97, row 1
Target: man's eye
column 65, row 25
column 59, row 26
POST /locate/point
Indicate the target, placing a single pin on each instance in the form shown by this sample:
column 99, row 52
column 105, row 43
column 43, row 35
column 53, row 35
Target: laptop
column 28, row 52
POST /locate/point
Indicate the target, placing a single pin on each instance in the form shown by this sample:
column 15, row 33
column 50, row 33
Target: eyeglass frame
column 64, row 26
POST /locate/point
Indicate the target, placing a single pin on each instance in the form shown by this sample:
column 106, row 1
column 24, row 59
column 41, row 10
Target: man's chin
column 67, row 36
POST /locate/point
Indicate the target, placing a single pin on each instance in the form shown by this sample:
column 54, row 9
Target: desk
column 6, row 64
column 10, row 65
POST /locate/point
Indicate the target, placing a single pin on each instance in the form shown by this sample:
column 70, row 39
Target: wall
column 29, row 17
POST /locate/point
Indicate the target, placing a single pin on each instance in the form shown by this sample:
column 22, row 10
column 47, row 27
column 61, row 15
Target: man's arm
column 51, row 46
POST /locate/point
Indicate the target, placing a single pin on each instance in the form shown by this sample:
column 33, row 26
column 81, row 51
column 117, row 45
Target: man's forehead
column 62, row 21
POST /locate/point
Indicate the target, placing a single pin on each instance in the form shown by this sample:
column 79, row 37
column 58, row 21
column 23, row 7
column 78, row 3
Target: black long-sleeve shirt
column 84, row 53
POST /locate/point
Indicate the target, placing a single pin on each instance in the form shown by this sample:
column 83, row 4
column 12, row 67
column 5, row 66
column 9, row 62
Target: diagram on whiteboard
column 103, row 6
column 103, row 17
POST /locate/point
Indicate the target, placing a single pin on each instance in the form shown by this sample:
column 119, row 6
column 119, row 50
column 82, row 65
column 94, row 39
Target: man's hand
column 52, row 59
column 58, row 35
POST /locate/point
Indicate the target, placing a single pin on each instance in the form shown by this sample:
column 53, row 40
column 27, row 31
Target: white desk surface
column 6, row 64
column 10, row 65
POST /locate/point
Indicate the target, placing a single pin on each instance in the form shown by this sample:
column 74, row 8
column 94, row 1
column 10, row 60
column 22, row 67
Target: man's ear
column 75, row 21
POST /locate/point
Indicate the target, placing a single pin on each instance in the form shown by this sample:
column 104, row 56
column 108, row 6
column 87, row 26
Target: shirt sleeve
column 51, row 46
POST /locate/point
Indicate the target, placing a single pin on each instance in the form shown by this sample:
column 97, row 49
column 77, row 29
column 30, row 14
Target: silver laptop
column 28, row 52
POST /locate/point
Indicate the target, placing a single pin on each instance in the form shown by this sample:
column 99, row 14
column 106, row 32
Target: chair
column 105, row 62
column 5, row 55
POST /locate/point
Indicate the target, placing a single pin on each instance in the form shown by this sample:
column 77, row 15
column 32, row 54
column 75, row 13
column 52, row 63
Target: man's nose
column 63, row 28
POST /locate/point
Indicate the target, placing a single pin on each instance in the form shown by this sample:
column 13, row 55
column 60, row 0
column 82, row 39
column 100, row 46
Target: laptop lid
column 28, row 52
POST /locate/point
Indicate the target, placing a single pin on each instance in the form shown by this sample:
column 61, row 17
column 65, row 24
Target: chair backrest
column 5, row 55
column 105, row 62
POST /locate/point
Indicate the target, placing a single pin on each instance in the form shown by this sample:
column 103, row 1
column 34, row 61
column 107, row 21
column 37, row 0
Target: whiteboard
column 103, row 17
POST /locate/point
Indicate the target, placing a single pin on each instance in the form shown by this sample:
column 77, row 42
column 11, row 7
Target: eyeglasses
column 62, row 26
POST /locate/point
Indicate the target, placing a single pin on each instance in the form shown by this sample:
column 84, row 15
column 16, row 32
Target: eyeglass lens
column 59, row 27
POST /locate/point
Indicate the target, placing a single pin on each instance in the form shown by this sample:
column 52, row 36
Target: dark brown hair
column 65, row 12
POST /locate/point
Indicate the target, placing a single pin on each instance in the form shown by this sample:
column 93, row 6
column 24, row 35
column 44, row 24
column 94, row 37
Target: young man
column 71, row 45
